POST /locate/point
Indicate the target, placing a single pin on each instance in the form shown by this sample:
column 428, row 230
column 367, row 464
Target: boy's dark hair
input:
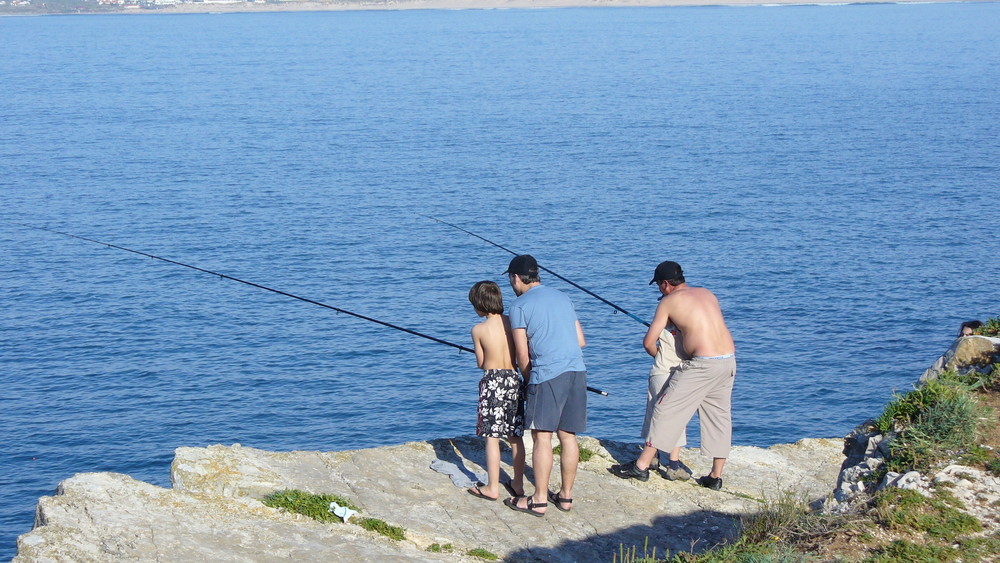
column 485, row 296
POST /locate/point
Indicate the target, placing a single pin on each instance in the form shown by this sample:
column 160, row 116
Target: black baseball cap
column 667, row 271
column 523, row 265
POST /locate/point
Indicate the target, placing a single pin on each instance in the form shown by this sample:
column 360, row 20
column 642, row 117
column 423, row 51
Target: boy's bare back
column 494, row 343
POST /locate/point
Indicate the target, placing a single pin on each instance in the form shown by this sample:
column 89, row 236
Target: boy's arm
column 579, row 335
column 521, row 349
column 478, row 345
column 660, row 319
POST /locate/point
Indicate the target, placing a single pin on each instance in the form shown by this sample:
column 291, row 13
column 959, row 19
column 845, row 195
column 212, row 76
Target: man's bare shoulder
column 692, row 293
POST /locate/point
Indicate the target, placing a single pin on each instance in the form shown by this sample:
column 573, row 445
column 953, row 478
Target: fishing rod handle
column 598, row 391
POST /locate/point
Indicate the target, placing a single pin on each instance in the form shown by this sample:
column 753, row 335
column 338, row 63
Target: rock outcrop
column 212, row 512
column 966, row 354
column 866, row 448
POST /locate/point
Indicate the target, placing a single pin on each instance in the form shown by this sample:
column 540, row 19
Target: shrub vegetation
column 990, row 328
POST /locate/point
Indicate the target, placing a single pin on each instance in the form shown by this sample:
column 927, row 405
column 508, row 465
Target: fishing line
column 574, row 284
column 278, row 291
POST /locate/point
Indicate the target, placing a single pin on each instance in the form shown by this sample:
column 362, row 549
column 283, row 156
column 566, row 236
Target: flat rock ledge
column 212, row 512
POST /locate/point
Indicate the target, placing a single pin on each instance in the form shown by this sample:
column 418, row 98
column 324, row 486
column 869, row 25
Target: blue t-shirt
column 549, row 319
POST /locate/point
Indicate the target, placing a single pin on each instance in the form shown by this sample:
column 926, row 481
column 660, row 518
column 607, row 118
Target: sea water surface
column 830, row 172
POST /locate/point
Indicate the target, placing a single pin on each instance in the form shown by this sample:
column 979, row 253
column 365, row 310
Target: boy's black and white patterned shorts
column 501, row 404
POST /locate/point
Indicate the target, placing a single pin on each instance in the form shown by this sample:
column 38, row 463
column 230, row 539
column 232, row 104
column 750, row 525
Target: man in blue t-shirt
column 548, row 340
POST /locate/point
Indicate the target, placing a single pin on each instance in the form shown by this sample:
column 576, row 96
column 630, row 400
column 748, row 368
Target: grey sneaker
column 709, row 482
column 629, row 471
column 679, row 474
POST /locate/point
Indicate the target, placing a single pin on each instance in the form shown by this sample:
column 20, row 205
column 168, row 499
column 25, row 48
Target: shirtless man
column 704, row 383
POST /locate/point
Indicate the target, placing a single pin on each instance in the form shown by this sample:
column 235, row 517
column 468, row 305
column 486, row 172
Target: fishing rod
column 278, row 291
column 574, row 284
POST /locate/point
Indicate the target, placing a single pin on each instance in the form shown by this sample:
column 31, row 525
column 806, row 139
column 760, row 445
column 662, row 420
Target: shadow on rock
column 694, row 532
column 465, row 452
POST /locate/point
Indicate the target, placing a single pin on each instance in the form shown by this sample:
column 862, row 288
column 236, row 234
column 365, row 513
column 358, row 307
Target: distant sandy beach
column 227, row 6
column 306, row 6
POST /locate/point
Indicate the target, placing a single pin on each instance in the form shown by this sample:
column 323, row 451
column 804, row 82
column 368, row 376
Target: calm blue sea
column 832, row 173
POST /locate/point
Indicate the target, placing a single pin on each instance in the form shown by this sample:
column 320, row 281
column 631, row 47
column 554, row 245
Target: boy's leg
column 493, row 466
column 517, row 452
column 492, row 487
column 569, row 459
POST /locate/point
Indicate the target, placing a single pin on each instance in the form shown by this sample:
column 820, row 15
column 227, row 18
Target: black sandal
column 512, row 504
column 558, row 500
column 509, row 485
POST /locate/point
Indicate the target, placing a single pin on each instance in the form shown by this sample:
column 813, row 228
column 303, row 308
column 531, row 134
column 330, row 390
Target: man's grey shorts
column 558, row 404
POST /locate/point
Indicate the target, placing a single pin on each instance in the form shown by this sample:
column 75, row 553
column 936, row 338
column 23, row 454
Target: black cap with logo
column 667, row 271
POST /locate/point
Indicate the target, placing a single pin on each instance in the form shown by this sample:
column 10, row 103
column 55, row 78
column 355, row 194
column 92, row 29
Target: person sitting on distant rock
column 501, row 390
column 968, row 328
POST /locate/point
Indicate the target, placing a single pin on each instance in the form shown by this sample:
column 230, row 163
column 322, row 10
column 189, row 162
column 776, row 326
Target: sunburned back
column 695, row 311
column 493, row 338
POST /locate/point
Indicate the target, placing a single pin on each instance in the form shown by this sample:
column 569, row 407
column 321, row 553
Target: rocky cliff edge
column 213, row 511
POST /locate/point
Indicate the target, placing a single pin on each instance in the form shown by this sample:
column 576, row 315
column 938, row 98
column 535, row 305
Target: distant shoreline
column 213, row 7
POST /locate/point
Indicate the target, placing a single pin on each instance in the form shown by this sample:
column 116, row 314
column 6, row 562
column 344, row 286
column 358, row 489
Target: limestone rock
column 212, row 512
column 910, row 481
column 967, row 353
column 978, row 491
column 111, row 517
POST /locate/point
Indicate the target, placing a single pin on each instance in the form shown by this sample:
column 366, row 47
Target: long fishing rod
column 278, row 291
column 574, row 284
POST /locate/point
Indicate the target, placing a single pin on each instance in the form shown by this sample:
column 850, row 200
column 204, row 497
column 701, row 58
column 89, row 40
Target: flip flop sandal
column 476, row 492
column 510, row 489
column 512, row 504
column 557, row 500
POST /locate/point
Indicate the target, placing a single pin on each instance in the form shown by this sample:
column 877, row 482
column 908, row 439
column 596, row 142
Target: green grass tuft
column 902, row 551
column 482, row 554
column 312, row 505
column 585, row 453
column 438, row 548
column 381, row 527
column 993, row 467
column 937, row 517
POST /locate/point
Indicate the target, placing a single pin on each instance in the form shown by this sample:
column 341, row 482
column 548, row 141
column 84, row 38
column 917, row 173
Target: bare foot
column 484, row 492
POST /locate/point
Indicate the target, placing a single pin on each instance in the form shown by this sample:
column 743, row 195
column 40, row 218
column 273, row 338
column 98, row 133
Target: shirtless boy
column 501, row 396
column 704, row 383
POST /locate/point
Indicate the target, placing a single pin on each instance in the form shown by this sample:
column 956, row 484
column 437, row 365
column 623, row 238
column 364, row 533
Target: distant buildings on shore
column 88, row 5
column 161, row 3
